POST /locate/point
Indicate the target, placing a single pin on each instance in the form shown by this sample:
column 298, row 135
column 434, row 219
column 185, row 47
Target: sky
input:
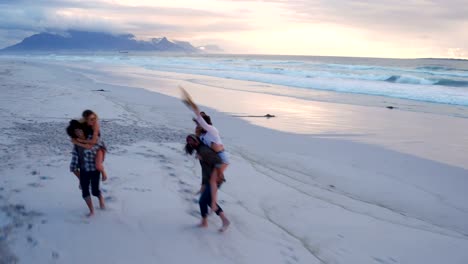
column 379, row 28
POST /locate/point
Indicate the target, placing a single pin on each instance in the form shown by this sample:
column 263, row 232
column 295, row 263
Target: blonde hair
column 86, row 114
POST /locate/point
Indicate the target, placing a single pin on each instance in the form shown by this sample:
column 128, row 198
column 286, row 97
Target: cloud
column 145, row 21
column 410, row 15
column 412, row 26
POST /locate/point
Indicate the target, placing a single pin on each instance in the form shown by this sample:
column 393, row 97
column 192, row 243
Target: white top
column 211, row 135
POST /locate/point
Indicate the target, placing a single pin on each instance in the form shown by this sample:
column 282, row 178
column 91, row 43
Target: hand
column 199, row 157
column 87, row 146
column 214, row 207
column 104, row 178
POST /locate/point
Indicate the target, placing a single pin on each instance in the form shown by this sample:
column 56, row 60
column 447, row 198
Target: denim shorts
column 224, row 157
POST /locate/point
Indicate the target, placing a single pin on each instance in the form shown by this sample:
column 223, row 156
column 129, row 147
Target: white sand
column 325, row 197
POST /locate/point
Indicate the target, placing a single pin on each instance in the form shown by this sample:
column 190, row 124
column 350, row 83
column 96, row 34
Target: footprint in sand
column 111, row 179
column 194, row 213
column 55, row 255
column 35, row 185
column 290, row 256
column 186, row 190
column 110, row 199
column 45, row 178
column 137, row 189
column 181, row 182
column 33, row 242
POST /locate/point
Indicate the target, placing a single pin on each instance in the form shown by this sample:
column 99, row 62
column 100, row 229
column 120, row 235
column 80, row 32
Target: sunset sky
column 385, row 28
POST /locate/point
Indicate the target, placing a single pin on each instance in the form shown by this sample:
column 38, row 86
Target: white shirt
column 211, row 135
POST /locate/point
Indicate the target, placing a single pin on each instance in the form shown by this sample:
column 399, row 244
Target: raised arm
column 187, row 99
column 209, row 128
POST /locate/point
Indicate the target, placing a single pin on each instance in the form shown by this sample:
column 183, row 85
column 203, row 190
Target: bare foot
column 225, row 226
column 204, row 223
column 90, row 214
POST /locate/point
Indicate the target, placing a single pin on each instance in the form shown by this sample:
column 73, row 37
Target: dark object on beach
column 267, row 116
column 100, row 90
column 390, row 107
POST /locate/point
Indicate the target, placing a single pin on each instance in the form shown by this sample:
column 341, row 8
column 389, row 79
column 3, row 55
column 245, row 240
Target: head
column 207, row 119
column 192, row 144
column 89, row 117
column 75, row 129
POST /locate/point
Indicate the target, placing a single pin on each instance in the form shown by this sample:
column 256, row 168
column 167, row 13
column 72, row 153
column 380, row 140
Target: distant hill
column 75, row 40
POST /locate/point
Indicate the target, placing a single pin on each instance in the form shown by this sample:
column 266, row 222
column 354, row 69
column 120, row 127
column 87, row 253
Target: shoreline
column 421, row 133
column 297, row 197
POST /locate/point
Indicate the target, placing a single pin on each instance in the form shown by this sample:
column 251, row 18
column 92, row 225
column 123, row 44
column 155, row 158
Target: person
column 211, row 138
column 74, row 131
column 209, row 160
column 93, row 137
column 83, row 165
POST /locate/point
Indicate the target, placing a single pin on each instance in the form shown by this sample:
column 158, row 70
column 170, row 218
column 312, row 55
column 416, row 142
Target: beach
column 332, row 179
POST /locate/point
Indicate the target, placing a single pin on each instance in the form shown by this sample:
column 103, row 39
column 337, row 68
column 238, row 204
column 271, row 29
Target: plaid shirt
column 89, row 159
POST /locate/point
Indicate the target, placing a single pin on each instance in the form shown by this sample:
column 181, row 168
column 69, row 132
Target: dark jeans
column 87, row 177
column 205, row 201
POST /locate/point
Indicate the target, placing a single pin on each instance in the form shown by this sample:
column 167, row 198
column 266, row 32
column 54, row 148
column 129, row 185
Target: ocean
column 443, row 81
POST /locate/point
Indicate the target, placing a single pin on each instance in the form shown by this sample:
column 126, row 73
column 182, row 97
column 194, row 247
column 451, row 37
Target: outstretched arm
column 187, row 99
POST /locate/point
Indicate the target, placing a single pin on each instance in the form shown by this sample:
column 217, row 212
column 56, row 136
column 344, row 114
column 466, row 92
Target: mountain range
column 76, row 40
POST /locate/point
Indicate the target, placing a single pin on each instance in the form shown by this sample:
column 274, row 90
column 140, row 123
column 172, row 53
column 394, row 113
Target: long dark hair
column 207, row 118
column 191, row 141
column 189, row 149
column 74, row 124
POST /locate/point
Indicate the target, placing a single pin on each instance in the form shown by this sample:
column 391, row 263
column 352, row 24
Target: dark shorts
column 90, row 178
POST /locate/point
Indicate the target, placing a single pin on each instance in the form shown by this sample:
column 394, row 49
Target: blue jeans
column 205, row 201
